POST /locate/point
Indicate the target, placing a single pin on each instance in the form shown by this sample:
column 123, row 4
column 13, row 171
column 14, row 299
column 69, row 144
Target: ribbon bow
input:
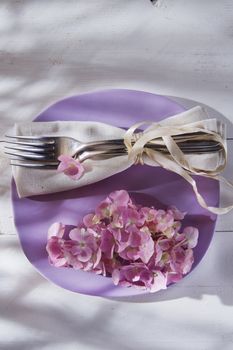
column 175, row 161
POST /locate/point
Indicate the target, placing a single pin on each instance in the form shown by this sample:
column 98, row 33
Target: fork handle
column 155, row 142
column 185, row 146
column 93, row 154
column 123, row 151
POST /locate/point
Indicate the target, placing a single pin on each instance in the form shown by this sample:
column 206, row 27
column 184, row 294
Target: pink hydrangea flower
column 85, row 250
column 56, row 252
column 70, row 167
column 138, row 246
column 140, row 276
column 56, row 245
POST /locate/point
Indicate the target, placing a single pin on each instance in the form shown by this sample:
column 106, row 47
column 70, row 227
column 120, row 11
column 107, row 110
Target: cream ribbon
column 175, row 161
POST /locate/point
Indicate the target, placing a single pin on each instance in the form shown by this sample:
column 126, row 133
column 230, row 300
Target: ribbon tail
column 176, row 168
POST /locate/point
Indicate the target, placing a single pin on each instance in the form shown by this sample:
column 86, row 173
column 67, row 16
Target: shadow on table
column 60, row 319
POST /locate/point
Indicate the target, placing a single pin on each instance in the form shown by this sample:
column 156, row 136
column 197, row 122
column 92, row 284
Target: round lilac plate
column 147, row 185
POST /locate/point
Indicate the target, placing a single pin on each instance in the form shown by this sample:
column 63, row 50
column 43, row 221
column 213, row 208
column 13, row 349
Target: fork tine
column 44, row 139
column 31, row 149
column 35, row 165
column 25, row 156
column 33, row 144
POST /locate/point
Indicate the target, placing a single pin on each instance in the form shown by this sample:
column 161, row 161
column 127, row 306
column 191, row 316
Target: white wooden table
column 51, row 49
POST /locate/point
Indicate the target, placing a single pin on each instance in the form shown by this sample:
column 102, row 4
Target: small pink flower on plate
column 85, row 250
column 70, row 167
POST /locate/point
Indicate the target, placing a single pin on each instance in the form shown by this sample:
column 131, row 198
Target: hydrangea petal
column 191, row 234
column 160, row 282
column 120, row 198
column 57, row 229
column 70, row 167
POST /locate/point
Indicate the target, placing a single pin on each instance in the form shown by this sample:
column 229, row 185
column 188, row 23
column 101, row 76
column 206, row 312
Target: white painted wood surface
column 51, row 49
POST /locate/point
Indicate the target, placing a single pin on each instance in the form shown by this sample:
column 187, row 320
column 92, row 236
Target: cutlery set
column 43, row 151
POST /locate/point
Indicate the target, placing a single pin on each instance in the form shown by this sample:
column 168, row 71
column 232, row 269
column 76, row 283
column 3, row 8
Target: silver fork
column 46, row 150
column 42, row 147
column 53, row 164
column 43, row 152
column 50, row 147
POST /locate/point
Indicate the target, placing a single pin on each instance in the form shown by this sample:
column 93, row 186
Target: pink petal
column 77, row 265
column 70, row 167
column 76, row 250
column 158, row 253
column 77, row 234
column 164, row 243
column 60, row 262
column 146, row 249
column 160, row 282
column 107, row 244
column 97, row 258
column 188, row 261
column 57, row 229
column 120, row 198
column 130, row 254
column 91, row 220
column 174, row 277
column 178, row 215
column 148, row 214
column 55, row 252
column 191, row 234
column 104, row 209
column 85, row 254
column 146, row 277
column 54, row 248
column 116, row 276
column 135, row 237
column 132, row 272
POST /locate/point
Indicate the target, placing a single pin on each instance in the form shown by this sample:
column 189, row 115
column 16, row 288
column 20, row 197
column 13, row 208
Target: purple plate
column 147, row 185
